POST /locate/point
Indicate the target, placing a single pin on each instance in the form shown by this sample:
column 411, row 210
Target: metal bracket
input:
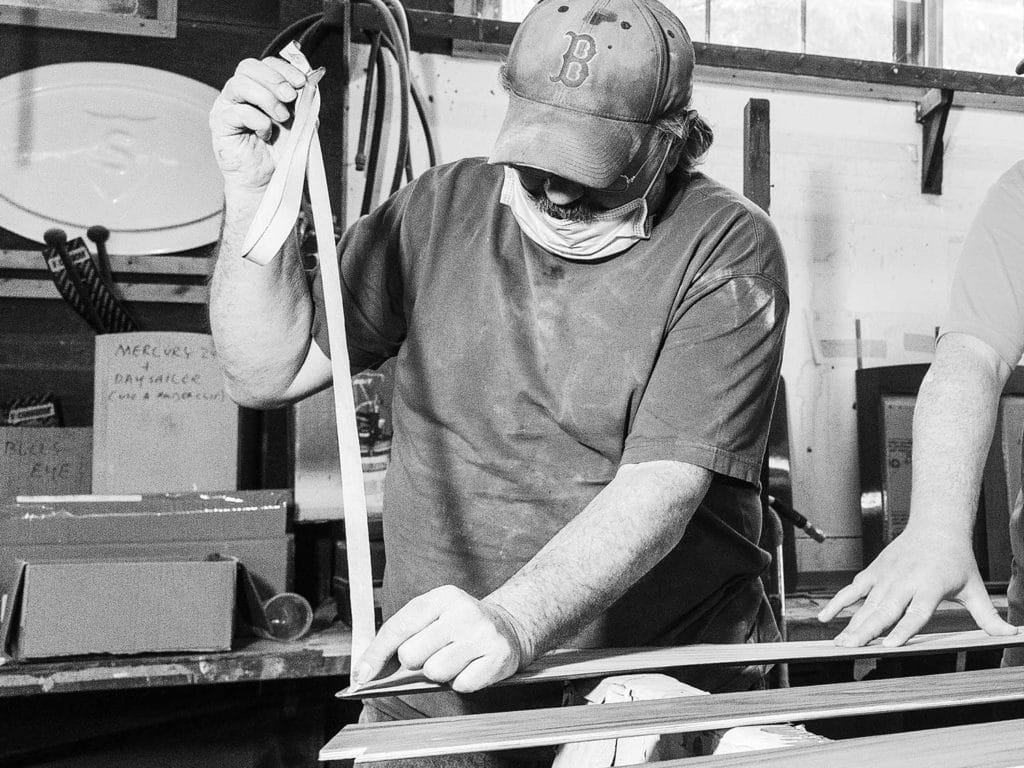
column 932, row 113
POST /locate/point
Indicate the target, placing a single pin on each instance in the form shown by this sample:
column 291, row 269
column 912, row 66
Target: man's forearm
column 624, row 532
column 953, row 424
column 260, row 315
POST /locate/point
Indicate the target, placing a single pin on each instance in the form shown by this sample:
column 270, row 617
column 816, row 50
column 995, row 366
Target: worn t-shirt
column 987, row 295
column 523, row 380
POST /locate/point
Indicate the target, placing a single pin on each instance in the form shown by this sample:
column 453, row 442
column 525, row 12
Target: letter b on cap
column 575, row 68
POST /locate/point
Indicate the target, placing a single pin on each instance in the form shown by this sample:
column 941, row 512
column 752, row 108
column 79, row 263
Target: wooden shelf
column 152, row 279
column 321, row 654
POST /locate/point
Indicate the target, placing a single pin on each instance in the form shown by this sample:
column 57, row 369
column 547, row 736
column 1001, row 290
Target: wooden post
column 757, row 147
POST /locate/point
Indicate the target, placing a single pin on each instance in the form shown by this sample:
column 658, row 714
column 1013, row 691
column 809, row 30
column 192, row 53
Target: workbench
column 263, row 703
column 322, row 654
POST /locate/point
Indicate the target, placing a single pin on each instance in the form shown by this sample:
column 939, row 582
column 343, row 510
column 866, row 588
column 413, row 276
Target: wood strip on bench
column 575, row 664
column 562, row 725
column 985, row 745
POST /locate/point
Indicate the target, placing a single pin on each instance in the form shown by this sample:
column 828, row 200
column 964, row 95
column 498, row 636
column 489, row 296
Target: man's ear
column 675, row 153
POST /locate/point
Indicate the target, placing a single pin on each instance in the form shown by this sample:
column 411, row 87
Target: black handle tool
column 110, row 305
column 68, row 281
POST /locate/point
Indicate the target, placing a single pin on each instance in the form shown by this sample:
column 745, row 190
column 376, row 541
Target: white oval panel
column 120, row 145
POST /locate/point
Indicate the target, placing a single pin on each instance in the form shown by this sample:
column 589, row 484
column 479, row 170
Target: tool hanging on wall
column 82, row 284
column 31, row 411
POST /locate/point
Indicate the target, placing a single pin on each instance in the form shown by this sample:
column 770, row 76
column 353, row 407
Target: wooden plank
column 436, row 24
column 583, row 663
column 131, row 265
column 222, row 45
column 987, row 745
column 776, row 81
column 544, row 727
column 757, row 153
column 158, row 293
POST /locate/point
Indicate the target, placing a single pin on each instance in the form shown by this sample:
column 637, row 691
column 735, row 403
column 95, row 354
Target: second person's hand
column 905, row 584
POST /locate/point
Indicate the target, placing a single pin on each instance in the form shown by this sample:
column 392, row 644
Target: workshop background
column 870, row 254
column 864, row 244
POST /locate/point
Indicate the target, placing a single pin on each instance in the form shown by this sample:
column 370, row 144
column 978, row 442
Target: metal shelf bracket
column 932, row 113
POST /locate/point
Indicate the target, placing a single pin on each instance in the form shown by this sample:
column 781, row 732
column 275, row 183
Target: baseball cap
column 587, row 80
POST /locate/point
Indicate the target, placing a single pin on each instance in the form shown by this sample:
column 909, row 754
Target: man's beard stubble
column 576, row 211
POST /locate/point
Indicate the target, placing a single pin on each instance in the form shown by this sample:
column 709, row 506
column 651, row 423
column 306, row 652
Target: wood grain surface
column 575, row 664
column 540, row 727
column 988, row 745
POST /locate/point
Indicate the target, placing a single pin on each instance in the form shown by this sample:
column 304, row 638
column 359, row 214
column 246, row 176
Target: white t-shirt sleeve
column 987, row 295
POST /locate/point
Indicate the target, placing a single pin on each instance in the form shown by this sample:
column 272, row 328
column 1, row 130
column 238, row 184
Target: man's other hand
column 451, row 637
column 905, row 584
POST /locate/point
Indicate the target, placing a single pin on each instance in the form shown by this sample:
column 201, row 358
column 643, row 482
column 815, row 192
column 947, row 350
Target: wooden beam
column 988, row 745
column 583, row 663
column 199, row 266
column 151, row 279
column 157, row 293
column 757, row 153
column 563, row 725
column 435, row 24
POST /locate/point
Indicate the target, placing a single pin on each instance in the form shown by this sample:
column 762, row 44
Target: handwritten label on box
column 162, row 421
column 44, row 461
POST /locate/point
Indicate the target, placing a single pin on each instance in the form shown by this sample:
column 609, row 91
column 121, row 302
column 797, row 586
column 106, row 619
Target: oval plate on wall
column 120, row 145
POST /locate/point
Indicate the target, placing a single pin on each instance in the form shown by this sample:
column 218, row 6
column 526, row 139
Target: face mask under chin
column 602, row 235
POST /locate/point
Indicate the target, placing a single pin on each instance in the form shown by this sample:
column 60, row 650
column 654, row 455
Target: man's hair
column 693, row 131
column 685, row 125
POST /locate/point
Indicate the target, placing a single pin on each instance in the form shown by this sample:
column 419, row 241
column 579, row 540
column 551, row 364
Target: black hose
column 421, row 112
column 395, row 32
column 311, row 30
column 398, row 10
column 364, row 118
column 287, row 34
column 378, row 127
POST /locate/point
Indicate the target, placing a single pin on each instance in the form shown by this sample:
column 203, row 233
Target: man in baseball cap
column 588, row 83
column 586, row 333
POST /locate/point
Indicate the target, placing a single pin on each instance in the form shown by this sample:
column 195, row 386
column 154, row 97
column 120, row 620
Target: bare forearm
column 933, row 559
column 626, row 530
column 260, row 315
column 953, row 424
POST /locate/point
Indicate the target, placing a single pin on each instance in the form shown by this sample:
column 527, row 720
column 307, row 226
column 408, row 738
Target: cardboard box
column 266, row 560
column 45, row 460
column 72, row 607
column 248, row 525
column 157, row 517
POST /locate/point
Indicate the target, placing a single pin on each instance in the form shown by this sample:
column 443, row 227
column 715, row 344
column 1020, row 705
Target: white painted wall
column 861, row 241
